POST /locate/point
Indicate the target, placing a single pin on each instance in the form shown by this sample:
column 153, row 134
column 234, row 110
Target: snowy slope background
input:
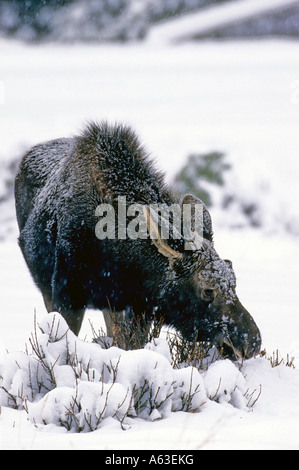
column 240, row 98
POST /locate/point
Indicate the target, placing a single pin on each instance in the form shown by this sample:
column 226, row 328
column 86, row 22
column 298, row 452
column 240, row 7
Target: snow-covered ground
column 239, row 98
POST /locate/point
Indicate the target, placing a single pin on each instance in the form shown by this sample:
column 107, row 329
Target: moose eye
column 208, row 295
column 208, row 292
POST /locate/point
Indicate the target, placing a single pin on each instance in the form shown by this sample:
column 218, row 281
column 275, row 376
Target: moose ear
column 151, row 218
column 229, row 263
column 207, row 221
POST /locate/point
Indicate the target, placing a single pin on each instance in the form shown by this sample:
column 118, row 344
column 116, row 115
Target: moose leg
column 117, row 328
column 74, row 319
column 128, row 331
column 48, row 302
column 111, row 320
column 68, row 297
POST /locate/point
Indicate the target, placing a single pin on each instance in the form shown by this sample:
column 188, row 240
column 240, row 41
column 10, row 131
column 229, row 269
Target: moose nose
column 233, row 351
column 227, row 349
column 238, row 335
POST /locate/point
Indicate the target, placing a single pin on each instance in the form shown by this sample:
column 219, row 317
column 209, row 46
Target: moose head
column 199, row 295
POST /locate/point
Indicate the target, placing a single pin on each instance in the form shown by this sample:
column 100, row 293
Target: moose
column 58, row 188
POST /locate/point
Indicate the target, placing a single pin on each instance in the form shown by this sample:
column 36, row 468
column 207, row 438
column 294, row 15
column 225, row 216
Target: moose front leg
column 115, row 323
column 74, row 319
column 128, row 331
column 68, row 295
column 112, row 319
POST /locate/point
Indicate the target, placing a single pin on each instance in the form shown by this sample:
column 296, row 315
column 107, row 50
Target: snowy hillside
column 133, row 20
column 88, row 20
column 211, row 19
column 238, row 98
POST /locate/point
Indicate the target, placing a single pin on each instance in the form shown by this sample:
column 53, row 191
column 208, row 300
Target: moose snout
column 239, row 336
column 234, row 349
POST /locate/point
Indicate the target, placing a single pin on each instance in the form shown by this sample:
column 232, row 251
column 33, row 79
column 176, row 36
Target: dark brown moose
column 59, row 187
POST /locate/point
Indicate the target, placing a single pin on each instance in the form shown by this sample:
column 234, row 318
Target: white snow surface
column 241, row 98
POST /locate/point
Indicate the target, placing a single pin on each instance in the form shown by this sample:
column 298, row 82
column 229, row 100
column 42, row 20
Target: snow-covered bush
column 225, row 384
column 188, row 390
column 64, row 381
column 67, row 382
column 238, row 202
column 200, row 173
column 209, row 177
column 81, row 408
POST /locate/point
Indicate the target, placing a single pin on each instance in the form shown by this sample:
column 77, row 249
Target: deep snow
column 240, row 98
